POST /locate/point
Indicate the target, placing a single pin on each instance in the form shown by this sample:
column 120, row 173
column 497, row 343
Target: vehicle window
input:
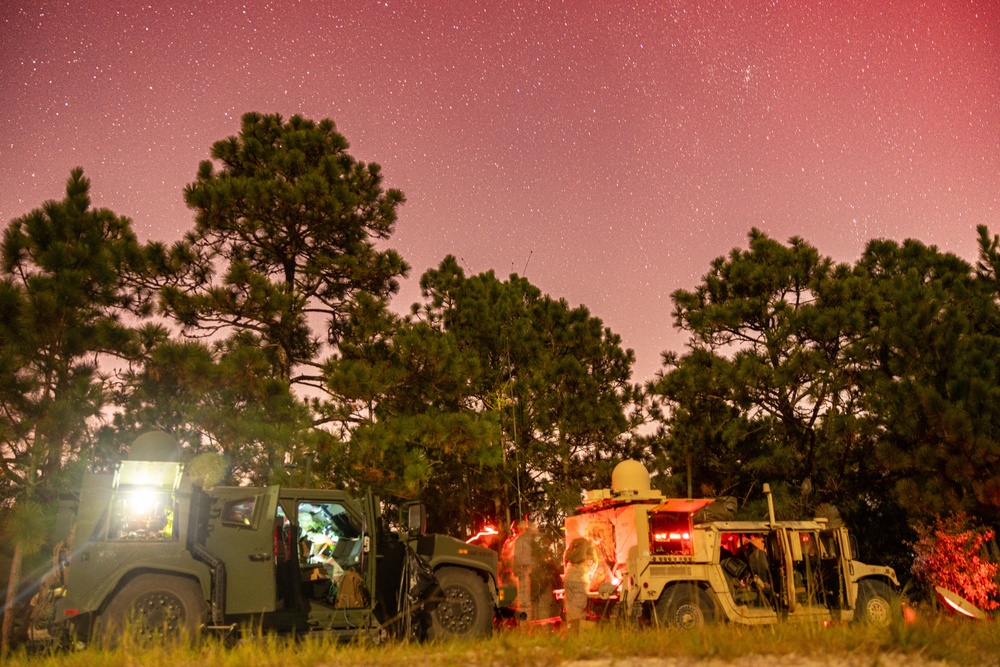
column 141, row 514
column 240, row 512
column 809, row 546
column 807, row 569
column 828, row 545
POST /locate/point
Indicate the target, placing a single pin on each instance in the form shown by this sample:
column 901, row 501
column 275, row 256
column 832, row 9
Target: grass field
column 924, row 642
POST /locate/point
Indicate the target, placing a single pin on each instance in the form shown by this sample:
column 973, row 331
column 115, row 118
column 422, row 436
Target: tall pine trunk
column 13, row 583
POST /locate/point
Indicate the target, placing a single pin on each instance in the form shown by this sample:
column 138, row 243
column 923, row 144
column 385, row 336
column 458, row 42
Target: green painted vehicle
column 147, row 551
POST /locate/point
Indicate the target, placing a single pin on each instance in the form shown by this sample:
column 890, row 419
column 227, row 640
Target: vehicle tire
column 684, row 606
column 875, row 603
column 154, row 607
column 461, row 607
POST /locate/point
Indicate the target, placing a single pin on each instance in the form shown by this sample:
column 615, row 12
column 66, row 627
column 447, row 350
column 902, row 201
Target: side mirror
column 416, row 519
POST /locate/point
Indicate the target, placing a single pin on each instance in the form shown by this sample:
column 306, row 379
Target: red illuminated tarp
column 682, row 505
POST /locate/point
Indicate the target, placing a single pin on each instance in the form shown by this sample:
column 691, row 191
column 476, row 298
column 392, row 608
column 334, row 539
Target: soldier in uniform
column 524, row 562
column 581, row 558
column 755, row 556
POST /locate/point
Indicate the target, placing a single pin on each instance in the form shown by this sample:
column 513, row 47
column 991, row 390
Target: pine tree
column 70, row 276
column 769, row 391
column 293, row 223
column 491, row 401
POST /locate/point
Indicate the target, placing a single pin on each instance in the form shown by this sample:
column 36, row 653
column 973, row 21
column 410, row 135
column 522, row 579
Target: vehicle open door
column 786, row 576
column 241, row 533
column 334, row 559
column 834, row 556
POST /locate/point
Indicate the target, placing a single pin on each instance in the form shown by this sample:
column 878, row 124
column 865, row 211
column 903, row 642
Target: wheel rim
column 457, row 611
column 689, row 616
column 878, row 612
column 156, row 613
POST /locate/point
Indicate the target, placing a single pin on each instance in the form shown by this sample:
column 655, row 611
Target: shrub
column 950, row 554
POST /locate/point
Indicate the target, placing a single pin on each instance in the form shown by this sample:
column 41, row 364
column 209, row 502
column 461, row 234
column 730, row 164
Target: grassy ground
column 925, row 642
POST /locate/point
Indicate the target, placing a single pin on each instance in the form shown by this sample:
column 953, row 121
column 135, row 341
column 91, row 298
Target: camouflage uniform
column 580, row 558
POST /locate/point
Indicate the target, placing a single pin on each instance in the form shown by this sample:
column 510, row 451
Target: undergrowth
column 948, row 640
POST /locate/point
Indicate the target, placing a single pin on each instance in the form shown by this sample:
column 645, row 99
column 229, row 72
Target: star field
column 607, row 150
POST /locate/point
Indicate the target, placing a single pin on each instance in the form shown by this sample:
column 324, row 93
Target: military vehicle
column 679, row 562
column 147, row 550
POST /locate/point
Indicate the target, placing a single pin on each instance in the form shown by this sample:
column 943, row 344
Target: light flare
column 487, row 530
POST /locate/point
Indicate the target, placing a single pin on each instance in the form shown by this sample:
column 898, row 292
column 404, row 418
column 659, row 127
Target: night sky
column 607, row 150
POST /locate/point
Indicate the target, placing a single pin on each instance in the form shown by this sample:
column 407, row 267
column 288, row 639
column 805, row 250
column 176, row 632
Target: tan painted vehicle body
column 661, row 560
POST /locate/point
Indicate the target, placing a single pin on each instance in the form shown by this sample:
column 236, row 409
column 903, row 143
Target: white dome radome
column 630, row 477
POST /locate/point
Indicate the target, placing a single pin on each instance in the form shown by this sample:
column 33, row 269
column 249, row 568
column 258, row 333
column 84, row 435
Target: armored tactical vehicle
column 672, row 562
column 148, row 550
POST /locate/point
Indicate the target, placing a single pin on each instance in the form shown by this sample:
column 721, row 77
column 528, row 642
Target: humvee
column 669, row 561
column 146, row 549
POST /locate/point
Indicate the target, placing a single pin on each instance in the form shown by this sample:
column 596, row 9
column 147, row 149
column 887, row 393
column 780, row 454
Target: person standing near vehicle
column 524, row 563
column 755, row 555
column 581, row 559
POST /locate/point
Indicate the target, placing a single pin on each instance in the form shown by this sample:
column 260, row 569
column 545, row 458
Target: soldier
column 754, row 554
column 581, row 557
column 524, row 562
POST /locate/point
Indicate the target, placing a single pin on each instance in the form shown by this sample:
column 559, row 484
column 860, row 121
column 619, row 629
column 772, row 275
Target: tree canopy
column 70, row 283
column 873, row 386
column 71, row 279
column 292, row 221
column 490, row 400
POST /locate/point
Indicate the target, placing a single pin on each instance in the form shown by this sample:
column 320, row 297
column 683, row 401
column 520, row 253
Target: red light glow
column 668, row 537
column 487, row 530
